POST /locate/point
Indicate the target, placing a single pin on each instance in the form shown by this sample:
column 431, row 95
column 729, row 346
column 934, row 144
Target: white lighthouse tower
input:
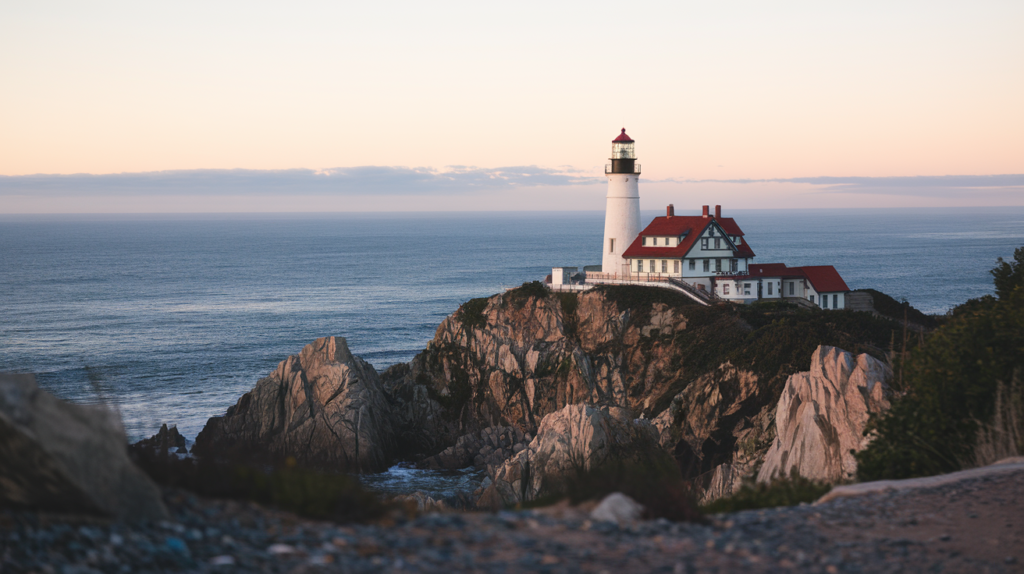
column 622, row 212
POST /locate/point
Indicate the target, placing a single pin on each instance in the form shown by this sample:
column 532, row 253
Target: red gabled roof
column 692, row 226
column 623, row 138
column 824, row 278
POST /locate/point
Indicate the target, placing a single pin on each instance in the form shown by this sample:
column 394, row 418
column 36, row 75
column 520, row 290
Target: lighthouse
column 622, row 211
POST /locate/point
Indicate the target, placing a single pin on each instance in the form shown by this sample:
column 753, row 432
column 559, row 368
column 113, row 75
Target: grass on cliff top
column 890, row 307
column 308, row 493
column 781, row 492
column 637, row 297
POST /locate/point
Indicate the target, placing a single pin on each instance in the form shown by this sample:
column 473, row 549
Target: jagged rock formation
column 60, row 457
column 485, row 449
column 821, row 416
column 575, row 439
column 512, row 359
column 165, row 441
column 324, row 407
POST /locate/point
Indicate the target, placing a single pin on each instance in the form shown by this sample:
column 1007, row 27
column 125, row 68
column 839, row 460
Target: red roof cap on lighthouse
column 623, row 138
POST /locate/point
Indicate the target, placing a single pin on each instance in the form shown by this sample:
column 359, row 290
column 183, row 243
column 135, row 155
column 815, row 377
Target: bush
column 472, row 312
column 951, row 383
column 656, row 484
column 780, row 492
column 308, row 493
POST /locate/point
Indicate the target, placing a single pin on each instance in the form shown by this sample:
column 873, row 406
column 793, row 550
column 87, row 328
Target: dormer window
column 643, row 240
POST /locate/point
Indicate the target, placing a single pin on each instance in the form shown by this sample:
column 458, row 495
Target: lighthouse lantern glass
column 623, row 150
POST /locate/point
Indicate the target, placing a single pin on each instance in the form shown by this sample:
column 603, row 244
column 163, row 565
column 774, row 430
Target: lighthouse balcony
column 610, row 168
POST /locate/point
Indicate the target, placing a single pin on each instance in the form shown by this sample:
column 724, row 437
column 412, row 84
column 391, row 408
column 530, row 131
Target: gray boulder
column 821, row 416
column 323, row 407
column 60, row 457
column 576, row 438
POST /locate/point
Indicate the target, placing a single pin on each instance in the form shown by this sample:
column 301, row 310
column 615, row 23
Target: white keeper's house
column 705, row 256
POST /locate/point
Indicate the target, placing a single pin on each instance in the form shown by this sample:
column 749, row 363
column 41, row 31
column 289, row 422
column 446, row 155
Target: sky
column 341, row 106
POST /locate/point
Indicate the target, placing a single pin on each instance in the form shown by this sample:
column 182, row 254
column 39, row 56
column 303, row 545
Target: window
column 643, row 241
column 792, row 287
column 704, row 243
column 711, row 231
column 718, row 265
column 811, row 297
column 770, row 287
column 639, row 265
column 611, row 246
column 664, row 266
column 835, row 301
column 734, row 265
column 718, row 243
column 725, row 288
column 739, row 240
column 652, row 266
column 675, row 266
column 707, row 265
column 693, row 265
column 824, row 301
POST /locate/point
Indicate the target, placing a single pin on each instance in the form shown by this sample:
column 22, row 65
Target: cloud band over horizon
column 364, row 180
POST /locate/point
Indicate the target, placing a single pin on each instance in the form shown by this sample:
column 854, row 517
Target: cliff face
column 707, row 378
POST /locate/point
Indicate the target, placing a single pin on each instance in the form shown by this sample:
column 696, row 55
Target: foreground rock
column 821, row 416
column 323, row 407
column 576, row 439
column 59, row 457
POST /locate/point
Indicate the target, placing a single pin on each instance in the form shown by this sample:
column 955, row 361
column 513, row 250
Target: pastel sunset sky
column 367, row 106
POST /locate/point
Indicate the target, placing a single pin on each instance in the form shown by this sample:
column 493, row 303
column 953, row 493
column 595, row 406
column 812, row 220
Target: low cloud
column 920, row 185
column 342, row 180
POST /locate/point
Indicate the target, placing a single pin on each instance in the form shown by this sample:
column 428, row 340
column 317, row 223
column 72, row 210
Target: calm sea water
column 172, row 318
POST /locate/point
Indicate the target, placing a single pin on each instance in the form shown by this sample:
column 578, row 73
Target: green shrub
column 951, row 387
column 520, row 295
column 780, row 492
column 472, row 312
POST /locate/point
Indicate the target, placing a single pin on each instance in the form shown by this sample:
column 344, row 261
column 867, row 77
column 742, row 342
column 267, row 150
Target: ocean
column 171, row 318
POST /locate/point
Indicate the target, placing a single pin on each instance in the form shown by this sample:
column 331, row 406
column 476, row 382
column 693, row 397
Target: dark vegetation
column 780, row 492
column 774, row 340
column 647, row 474
column 472, row 312
column 317, row 495
column 951, row 385
column 520, row 295
column 900, row 310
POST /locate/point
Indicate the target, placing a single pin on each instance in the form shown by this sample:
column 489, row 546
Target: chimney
column 705, row 211
column 670, row 210
column 718, row 212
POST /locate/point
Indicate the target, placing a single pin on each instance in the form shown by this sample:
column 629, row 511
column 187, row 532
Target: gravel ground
column 970, row 526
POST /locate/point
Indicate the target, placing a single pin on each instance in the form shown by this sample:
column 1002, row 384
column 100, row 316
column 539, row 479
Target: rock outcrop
column 485, row 449
column 821, row 415
column 323, row 407
column 165, row 441
column 576, row 439
column 60, row 457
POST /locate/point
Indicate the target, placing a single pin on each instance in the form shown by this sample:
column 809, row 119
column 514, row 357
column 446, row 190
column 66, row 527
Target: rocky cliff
column 710, row 378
